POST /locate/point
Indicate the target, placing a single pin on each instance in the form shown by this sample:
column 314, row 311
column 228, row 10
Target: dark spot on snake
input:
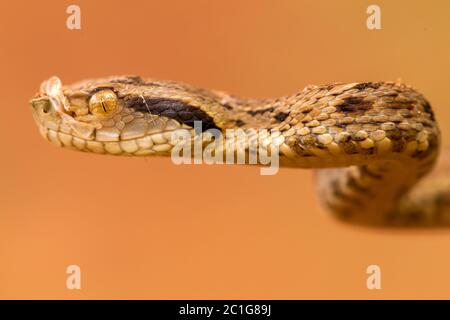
column 428, row 123
column 281, row 116
column 409, row 135
column 344, row 138
column 353, row 184
column 399, row 105
column 305, row 111
column 394, row 134
column 427, row 109
column 338, row 193
column 349, row 147
column 239, row 123
column 260, row 111
column 357, row 137
column 398, row 145
column 366, row 171
column 406, row 114
column 365, row 85
column 308, row 141
column 320, row 145
column 353, row 104
column 295, row 144
column 368, row 151
column 170, row 108
column 227, row 106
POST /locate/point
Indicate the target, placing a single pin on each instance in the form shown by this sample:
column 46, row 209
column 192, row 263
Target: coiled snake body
column 372, row 141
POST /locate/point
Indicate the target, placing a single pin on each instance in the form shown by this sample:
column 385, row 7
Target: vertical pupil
column 103, row 105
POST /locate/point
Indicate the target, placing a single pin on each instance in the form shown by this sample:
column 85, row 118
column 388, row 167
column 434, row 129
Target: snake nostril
column 41, row 105
column 45, row 108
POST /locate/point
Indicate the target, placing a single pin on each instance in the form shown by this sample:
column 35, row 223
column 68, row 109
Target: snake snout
column 41, row 105
column 44, row 113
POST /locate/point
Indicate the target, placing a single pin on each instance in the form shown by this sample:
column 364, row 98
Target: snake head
column 54, row 112
column 116, row 115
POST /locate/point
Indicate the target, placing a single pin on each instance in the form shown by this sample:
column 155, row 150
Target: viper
column 373, row 143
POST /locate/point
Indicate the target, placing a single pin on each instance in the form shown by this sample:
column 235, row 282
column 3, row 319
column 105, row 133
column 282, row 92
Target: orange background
column 145, row 228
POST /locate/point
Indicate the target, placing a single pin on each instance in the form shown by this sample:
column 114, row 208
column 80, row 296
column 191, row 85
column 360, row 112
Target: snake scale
column 374, row 142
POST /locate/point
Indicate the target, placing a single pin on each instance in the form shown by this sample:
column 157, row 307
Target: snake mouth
column 158, row 143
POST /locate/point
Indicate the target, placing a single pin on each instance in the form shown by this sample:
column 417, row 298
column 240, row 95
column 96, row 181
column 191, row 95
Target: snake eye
column 103, row 103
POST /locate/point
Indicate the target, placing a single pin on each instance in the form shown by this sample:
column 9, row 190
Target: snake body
column 373, row 141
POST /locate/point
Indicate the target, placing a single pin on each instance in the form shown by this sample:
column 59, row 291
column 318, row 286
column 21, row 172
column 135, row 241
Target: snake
column 372, row 145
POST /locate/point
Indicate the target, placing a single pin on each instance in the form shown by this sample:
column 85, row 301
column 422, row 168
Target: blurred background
column 145, row 228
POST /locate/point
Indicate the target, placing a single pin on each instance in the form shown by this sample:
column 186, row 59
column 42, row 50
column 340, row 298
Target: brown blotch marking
column 296, row 145
column 355, row 137
column 354, row 104
column 394, row 134
column 349, row 147
column 308, row 141
column 345, row 138
column 261, row 111
column 352, row 183
column 239, row 123
column 281, row 116
column 365, row 85
column 432, row 146
column 227, row 106
column 397, row 139
column 398, row 145
column 427, row 109
column 365, row 171
column 399, row 105
column 368, row 151
column 338, row 193
column 428, row 123
column 407, row 114
column 301, row 151
column 306, row 110
column 410, row 134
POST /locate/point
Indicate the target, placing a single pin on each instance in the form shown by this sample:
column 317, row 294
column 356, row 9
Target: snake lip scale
column 375, row 143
